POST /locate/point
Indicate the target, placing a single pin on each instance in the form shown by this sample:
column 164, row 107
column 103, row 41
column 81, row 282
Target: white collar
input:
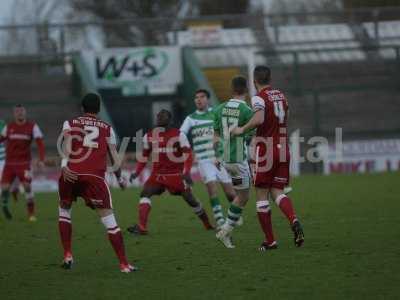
column 238, row 100
column 200, row 112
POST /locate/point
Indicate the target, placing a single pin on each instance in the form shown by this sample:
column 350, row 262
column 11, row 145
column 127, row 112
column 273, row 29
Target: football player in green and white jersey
column 199, row 128
column 229, row 115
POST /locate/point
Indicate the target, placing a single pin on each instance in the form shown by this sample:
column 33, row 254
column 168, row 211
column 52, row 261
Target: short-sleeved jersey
column 228, row 115
column 166, row 147
column 199, row 128
column 275, row 106
column 90, row 137
column 19, row 139
column 2, row 148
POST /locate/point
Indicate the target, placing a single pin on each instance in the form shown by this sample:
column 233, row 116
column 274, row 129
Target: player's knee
column 64, row 205
column 145, row 193
column 263, row 206
column 278, row 197
column 231, row 196
column 104, row 212
column 212, row 189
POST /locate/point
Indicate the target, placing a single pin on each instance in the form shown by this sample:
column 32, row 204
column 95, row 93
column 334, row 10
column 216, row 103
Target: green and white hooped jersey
column 199, row 128
column 2, row 147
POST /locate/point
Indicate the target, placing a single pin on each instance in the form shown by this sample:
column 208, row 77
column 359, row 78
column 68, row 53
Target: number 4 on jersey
column 279, row 111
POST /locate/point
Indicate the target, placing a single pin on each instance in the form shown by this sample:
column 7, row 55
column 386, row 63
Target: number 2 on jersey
column 279, row 111
column 92, row 133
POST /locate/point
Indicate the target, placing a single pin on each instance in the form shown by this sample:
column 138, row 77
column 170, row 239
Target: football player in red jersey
column 171, row 164
column 87, row 141
column 271, row 155
column 18, row 136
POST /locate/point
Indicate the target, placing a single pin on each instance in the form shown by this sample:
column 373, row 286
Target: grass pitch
column 352, row 249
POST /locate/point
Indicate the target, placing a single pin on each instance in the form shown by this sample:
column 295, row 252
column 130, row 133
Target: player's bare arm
column 187, row 157
column 116, row 163
column 255, row 121
column 41, row 149
column 141, row 163
column 216, row 141
column 67, row 174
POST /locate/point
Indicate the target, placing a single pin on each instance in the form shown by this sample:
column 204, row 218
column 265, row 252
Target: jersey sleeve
column 183, row 141
column 66, row 126
column 247, row 113
column 217, row 120
column 36, row 132
column 146, row 143
column 112, row 140
column 257, row 103
column 4, row 131
column 185, row 127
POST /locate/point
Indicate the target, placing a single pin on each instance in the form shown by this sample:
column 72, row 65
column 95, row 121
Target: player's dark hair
column 239, row 85
column 18, row 105
column 91, row 103
column 167, row 112
column 204, row 91
column 262, row 75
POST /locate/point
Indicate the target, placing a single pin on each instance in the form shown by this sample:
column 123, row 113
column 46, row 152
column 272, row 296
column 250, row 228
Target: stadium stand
column 233, row 51
column 388, row 35
column 316, row 37
column 44, row 88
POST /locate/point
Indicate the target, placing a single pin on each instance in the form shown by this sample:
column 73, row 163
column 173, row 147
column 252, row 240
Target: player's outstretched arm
column 38, row 136
column 187, row 156
column 187, row 167
column 217, row 145
column 116, row 163
column 42, row 152
column 256, row 120
column 67, row 174
column 143, row 159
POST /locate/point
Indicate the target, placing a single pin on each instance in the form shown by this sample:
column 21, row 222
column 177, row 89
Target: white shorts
column 240, row 174
column 209, row 172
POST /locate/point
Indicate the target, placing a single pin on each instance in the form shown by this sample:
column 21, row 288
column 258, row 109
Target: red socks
column 144, row 211
column 264, row 217
column 117, row 242
column 115, row 237
column 285, row 204
column 65, row 228
column 31, row 208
